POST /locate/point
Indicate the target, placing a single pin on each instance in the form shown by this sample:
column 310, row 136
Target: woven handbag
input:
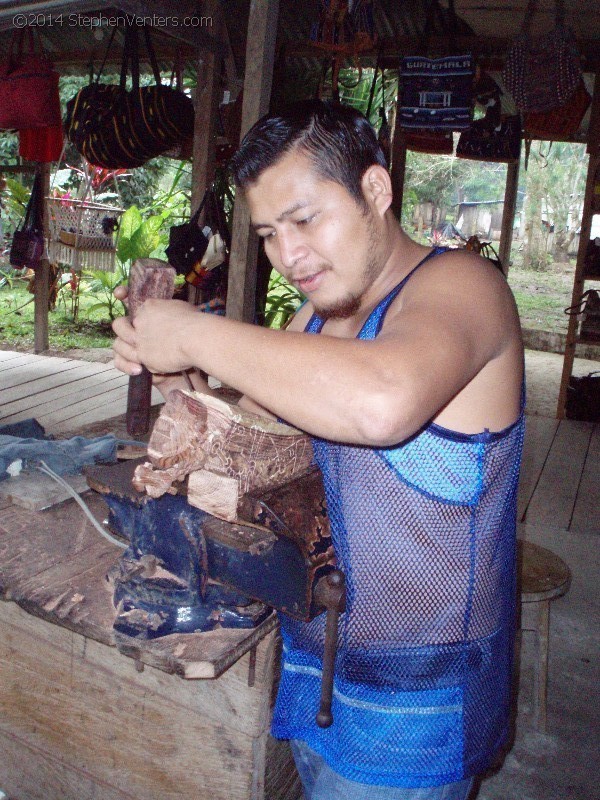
column 560, row 122
column 492, row 138
column 437, row 143
column 116, row 128
column 436, row 93
column 28, row 86
column 27, row 246
column 542, row 72
column 41, row 144
column 588, row 309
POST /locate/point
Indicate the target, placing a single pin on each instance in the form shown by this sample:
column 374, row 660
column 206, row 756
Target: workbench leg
column 540, row 686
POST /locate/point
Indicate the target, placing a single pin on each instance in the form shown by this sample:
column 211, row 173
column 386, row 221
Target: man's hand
column 157, row 337
column 127, row 360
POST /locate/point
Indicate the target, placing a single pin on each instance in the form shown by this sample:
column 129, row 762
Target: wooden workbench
column 85, row 715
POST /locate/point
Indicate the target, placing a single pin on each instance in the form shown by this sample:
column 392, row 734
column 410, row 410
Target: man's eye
column 305, row 220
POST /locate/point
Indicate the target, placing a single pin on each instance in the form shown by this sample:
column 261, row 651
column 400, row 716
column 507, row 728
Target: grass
column 541, row 298
column 91, row 329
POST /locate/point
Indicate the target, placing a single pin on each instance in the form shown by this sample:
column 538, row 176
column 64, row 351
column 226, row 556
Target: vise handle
column 330, row 592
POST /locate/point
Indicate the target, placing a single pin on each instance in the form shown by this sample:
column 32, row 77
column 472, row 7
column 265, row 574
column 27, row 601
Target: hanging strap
column 424, row 38
column 529, row 13
column 373, row 84
column 152, row 56
column 131, row 58
column 196, row 215
column 453, row 25
column 106, row 52
column 33, row 219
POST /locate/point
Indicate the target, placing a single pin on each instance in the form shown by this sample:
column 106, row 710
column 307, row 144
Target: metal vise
column 185, row 570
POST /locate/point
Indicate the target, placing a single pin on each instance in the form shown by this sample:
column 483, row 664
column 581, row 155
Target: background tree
column 554, row 185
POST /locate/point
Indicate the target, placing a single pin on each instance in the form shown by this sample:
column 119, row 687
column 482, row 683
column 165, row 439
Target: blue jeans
column 320, row 782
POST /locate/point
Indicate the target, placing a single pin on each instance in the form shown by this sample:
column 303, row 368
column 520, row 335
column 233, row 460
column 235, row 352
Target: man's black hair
column 339, row 141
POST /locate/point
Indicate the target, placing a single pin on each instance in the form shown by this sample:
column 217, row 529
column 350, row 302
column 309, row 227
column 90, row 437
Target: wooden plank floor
column 560, row 473
column 63, row 394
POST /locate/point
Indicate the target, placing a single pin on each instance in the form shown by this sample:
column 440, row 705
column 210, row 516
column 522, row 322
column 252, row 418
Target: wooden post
column 260, row 53
column 593, row 148
column 398, row 166
column 206, row 108
column 508, row 214
column 42, row 277
column 578, row 281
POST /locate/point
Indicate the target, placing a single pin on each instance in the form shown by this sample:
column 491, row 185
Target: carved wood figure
column 224, row 451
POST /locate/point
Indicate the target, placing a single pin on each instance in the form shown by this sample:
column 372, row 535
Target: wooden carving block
column 226, row 452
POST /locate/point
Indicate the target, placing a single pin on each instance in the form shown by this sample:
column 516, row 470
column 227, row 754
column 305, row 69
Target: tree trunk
column 534, row 255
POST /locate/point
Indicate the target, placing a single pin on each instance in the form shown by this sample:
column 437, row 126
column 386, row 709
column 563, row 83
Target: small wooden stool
column 543, row 576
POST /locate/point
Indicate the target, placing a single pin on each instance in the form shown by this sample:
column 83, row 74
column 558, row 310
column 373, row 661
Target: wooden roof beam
column 492, row 50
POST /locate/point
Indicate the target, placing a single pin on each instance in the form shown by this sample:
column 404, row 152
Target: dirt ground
column 543, row 373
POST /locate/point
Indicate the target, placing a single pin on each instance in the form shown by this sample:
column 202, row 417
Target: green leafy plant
column 101, row 285
column 138, row 237
column 283, row 300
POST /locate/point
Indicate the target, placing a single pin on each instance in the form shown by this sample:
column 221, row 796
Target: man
column 412, row 391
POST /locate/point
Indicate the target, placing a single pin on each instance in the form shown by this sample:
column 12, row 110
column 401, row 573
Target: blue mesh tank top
column 425, row 534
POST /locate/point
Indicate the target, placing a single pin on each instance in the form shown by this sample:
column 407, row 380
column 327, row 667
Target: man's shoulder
column 299, row 320
column 460, row 271
column 458, row 291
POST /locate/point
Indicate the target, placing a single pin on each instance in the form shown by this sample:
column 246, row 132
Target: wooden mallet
column 149, row 277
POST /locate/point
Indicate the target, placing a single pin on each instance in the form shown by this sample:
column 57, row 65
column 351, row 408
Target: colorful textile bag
column 436, row 93
column 41, row 144
column 116, row 128
column 560, row 122
column 432, row 142
column 542, row 72
column 28, row 86
column 195, row 251
column 492, row 138
column 28, row 240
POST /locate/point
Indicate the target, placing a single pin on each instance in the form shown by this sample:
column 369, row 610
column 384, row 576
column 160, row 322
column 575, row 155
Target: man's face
column 316, row 235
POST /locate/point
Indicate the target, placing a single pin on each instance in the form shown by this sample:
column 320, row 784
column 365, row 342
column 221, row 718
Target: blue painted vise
column 185, row 570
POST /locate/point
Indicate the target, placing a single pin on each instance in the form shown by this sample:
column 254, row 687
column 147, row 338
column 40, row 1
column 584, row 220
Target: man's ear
column 377, row 187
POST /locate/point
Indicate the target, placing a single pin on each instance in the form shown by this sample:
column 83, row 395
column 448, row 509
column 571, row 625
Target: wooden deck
column 63, row 394
column 560, row 476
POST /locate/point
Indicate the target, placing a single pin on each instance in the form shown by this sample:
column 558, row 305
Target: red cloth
column 41, row 144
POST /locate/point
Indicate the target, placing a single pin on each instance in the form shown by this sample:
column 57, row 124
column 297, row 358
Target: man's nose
column 292, row 248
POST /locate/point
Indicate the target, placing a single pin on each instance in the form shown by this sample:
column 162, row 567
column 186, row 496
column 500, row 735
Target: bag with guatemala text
column 116, row 128
column 28, row 86
column 436, row 93
column 27, row 246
